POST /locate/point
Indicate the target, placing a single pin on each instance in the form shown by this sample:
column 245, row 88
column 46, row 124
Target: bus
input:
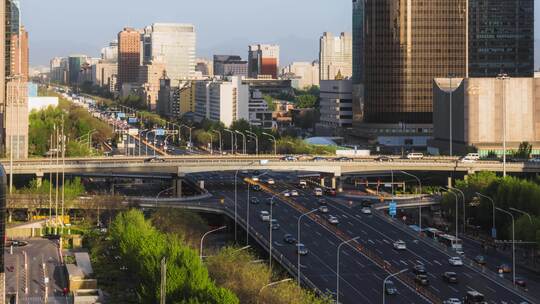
column 451, row 241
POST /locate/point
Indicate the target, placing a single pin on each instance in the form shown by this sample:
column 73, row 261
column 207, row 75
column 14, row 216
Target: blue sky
column 63, row 27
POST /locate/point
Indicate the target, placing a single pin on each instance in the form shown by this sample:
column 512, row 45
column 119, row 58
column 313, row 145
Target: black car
column 450, row 277
column 254, row 200
column 521, row 282
column 421, row 279
column 384, row 158
column 390, row 288
column 154, row 159
column 480, row 259
column 318, row 158
column 289, row 239
column 343, row 159
column 419, row 269
column 256, row 187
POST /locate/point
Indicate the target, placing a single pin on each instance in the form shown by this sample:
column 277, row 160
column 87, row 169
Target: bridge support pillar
column 449, row 183
column 322, row 182
column 10, row 216
column 337, row 183
column 177, row 184
column 39, row 178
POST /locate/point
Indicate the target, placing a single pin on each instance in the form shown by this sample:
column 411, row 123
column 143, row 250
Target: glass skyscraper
column 358, row 40
column 501, row 38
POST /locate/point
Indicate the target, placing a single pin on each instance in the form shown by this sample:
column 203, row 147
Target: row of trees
column 142, row 247
column 509, row 192
column 232, row 268
column 73, row 188
column 77, row 123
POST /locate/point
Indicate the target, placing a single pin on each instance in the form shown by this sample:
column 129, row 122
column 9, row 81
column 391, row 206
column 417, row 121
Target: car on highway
column 270, row 181
column 390, row 288
column 365, row 203
column 534, row 160
column 256, row 187
column 450, row 277
column 366, row 210
column 302, row 184
column 323, row 209
column 322, row 202
column 474, row 297
column 154, row 159
column 421, row 279
column 333, row 220
column 274, row 224
column 255, row 178
column 504, row 268
column 301, row 249
column 265, row 216
column 294, row 192
column 343, row 159
column 452, row 301
column 455, row 261
column 254, row 200
column 521, row 282
column 286, row 193
column 318, row 192
column 480, row 259
column 383, row 158
column 319, row 158
column 415, row 155
column 400, row 245
column 419, row 269
column 289, row 239
column 289, row 158
column 330, row 191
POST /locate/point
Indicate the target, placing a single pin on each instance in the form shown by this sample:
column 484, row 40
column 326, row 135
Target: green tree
column 306, row 101
column 524, row 151
column 270, row 102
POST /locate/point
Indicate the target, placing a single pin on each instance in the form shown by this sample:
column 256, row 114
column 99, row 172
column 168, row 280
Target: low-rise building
column 482, row 111
column 335, row 106
column 259, row 113
column 302, row 74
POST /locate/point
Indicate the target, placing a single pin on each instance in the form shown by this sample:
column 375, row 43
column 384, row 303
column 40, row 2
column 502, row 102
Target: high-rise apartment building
column 129, row 56
column 110, row 52
column 263, row 61
column 335, row 56
column 205, row 67
column 230, row 65
column 501, row 38
column 75, row 62
column 175, row 45
column 335, row 106
column 149, row 78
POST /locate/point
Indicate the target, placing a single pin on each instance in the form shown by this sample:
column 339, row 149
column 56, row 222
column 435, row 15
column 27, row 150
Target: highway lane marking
column 349, row 232
column 491, row 289
column 346, row 253
column 380, row 252
column 386, row 241
column 318, row 233
column 371, row 242
column 467, row 275
column 330, row 241
column 364, row 232
column 453, row 289
column 360, row 264
column 437, row 262
column 436, row 289
column 403, row 262
column 350, row 223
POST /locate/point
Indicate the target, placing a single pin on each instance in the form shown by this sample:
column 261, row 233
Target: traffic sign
column 494, row 232
column 392, row 209
column 160, row 132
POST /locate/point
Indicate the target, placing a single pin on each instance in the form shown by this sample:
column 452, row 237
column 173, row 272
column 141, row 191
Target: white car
column 255, row 178
column 333, row 220
column 318, row 192
column 270, row 181
column 286, row 194
column 323, row 209
column 265, row 216
column 294, row 193
column 366, row 210
column 455, row 261
column 400, row 245
column 452, row 301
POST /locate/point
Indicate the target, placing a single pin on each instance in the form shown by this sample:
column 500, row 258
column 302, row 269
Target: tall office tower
column 19, row 54
column 335, row 56
column 358, row 60
column 110, row 52
column 129, row 56
column 75, row 62
column 5, row 9
column 407, row 45
column 230, row 65
column 501, row 38
column 263, row 61
column 175, row 45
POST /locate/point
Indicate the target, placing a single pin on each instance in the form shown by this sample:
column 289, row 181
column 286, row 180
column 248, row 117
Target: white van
column 318, row 192
column 265, row 216
column 415, row 155
column 472, row 156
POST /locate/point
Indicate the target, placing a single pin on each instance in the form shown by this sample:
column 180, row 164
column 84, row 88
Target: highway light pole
column 204, row 235
column 162, row 191
column 337, row 265
column 464, row 205
column 220, row 142
column 420, row 206
column 386, row 279
column 232, row 139
column 253, row 135
column 503, row 78
column 522, row 212
column 146, row 145
column 457, row 210
column 513, row 245
column 271, row 228
column 271, row 284
column 297, row 253
column 493, row 209
column 236, row 202
column 244, row 140
column 273, row 139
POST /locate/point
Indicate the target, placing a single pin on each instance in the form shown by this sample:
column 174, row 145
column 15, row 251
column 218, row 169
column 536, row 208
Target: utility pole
column 64, row 170
column 163, row 280
column 57, row 176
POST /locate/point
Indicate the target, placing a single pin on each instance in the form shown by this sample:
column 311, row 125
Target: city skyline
column 297, row 34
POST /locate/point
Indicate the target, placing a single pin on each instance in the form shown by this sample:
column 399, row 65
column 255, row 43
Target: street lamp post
column 419, row 207
column 464, row 205
column 220, row 142
column 232, row 139
column 253, row 135
column 204, row 235
column 271, row 284
column 163, row 191
column 273, row 138
column 522, row 212
column 236, row 201
column 503, row 78
column 244, row 140
column 270, row 226
column 386, row 279
column 448, row 190
column 211, row 143
column 337, row 265
column 146, row 145
column 298, row 231
column 513, row 244
column 493, row 231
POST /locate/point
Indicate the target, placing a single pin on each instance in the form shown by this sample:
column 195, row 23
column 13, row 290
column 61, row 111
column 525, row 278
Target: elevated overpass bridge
column 181, row 165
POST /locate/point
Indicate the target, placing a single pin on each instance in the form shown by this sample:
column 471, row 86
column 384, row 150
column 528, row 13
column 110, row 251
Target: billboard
column 159, row 132
column 133, row 120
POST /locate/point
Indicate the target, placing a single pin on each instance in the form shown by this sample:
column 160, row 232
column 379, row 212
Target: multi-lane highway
column 361, row 277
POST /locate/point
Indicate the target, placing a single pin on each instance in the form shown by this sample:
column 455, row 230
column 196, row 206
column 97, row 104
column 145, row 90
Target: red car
column 329, row 191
